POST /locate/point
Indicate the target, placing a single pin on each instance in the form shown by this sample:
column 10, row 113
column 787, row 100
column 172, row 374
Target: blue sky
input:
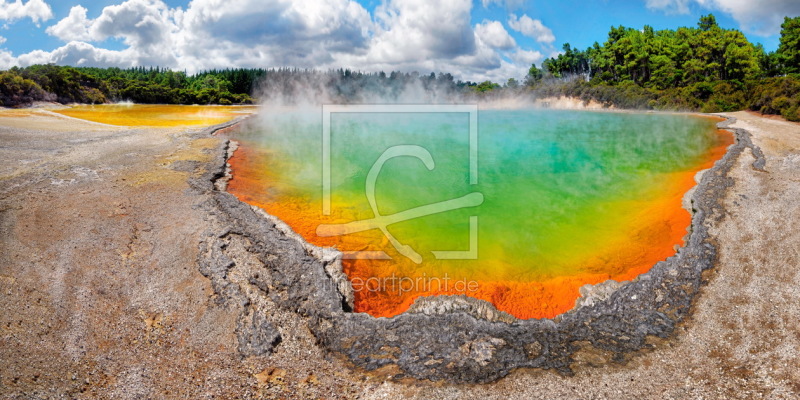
column 483, row 39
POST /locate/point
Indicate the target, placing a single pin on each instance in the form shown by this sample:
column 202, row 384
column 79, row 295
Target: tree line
column 65, row 84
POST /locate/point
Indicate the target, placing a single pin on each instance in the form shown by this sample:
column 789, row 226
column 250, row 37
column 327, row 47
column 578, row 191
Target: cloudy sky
column 474, row 40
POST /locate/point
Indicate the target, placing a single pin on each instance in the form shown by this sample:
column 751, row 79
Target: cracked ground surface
column 101, row 295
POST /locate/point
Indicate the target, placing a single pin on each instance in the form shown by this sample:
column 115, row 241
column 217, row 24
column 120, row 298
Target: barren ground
column 101, row 297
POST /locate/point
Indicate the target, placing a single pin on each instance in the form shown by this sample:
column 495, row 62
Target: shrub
column 791, row 113
column 17, row 91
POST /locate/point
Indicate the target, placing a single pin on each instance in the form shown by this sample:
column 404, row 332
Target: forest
column 705, row 68
column 64, row 84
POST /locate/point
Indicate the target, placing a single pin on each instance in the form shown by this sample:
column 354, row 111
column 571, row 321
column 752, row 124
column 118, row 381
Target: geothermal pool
column 156, row 115
column 562, row 198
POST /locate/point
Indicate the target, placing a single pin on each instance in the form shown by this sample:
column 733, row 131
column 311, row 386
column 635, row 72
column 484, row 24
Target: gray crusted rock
column 483, row 350
column 591, row 294
column 256, row 335
column 438, row 305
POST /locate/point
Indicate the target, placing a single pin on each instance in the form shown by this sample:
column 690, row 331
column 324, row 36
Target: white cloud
column 494, row 34
column 509, row 4
column 527, row 57
column 763, row 18
column 418, row 29
column 532, row 28
column 669, row 6
column 405, row 35
column 74, row 27
column 254, row 33
column 146, row 26
column 2, row 40
column 36, row 10
column 80, row 54
column 438, row 37
column 7, row 60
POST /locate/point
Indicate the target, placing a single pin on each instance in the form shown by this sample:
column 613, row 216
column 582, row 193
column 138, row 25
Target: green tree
column 788, row 53
column 570, row 62
column 534, row 75
column 664, row 71
column 486, row 86
column 741, row 59
column 707, row 22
